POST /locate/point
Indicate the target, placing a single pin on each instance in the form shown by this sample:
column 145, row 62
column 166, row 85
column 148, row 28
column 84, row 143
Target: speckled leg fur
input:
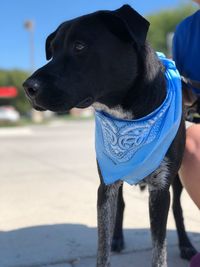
column 107, row 205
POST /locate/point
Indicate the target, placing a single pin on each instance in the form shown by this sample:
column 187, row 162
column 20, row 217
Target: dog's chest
column 158, row 180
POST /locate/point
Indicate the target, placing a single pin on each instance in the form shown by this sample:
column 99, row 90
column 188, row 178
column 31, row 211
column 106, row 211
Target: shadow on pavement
column 61, row 243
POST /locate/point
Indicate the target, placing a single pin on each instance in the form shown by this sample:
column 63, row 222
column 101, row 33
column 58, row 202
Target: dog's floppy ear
column 136, row 24
column 127, row 24
column 48, row 45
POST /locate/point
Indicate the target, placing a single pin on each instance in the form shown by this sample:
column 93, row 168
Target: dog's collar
column 130, row 150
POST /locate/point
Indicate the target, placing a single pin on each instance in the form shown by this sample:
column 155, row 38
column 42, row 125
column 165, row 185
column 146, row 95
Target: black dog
column 103, row 59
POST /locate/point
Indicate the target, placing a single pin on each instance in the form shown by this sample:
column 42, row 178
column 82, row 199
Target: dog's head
column 93, row 58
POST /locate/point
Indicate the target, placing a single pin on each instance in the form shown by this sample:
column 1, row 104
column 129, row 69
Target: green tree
column 165, row 22
column 15, row 78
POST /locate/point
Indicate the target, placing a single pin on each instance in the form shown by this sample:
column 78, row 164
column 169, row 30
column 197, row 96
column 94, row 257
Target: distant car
column 9, row 113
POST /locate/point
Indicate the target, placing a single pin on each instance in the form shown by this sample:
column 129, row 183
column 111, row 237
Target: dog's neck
column 145, row 95
column 116, row 111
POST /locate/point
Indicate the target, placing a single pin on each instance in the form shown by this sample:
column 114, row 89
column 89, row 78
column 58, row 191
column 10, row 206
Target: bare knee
column 192, row 148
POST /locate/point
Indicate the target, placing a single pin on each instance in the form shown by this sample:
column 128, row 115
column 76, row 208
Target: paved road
column 48, row 202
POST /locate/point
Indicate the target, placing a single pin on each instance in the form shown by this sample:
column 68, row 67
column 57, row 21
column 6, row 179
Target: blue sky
column 47, row 15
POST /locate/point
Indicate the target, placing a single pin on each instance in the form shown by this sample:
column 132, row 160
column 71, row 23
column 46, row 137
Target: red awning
column 8, row 91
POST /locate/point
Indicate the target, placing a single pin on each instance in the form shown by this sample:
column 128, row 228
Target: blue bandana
column 130, row 150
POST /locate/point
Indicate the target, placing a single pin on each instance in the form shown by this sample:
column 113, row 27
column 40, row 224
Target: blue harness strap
column 130, row 150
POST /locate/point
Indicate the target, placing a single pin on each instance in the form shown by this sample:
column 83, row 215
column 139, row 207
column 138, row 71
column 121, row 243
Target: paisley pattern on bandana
column 130, row 150
column 121, row 143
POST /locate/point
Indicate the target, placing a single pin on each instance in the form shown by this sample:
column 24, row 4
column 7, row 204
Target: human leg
column 190, row 169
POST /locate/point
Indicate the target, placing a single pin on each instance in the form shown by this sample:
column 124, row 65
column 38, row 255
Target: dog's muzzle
column 32, row 89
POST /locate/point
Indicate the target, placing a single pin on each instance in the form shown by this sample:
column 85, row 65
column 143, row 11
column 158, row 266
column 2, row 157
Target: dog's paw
column 117, row 245
column 187, row 252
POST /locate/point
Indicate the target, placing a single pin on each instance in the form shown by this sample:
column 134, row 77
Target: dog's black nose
column 32, row 87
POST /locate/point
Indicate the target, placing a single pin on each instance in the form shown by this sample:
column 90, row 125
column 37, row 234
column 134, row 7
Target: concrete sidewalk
column 48, row 202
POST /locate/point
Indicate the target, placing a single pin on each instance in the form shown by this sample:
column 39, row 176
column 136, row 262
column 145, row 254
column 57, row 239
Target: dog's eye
column 79, row 46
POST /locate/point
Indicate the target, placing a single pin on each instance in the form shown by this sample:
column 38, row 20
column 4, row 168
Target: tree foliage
column 15, row 78
column 165, row 22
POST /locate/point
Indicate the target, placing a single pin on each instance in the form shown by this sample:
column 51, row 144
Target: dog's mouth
column 61, row 107
column 85, row 103
column 38, row 108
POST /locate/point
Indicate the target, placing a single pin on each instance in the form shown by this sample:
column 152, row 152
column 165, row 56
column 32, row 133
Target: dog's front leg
column 118, row 239
column 106, row 209
column 159, row 201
